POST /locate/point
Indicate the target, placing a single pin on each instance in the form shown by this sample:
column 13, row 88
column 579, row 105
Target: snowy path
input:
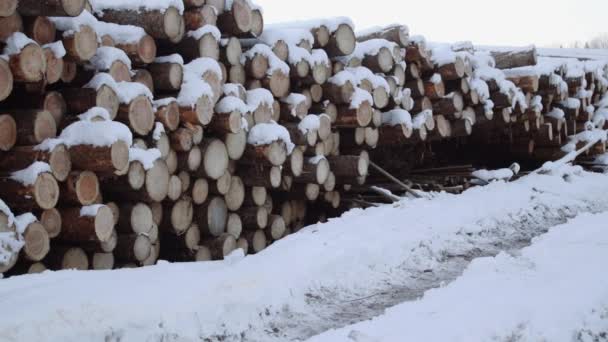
column 327, row 276
column 555, row 290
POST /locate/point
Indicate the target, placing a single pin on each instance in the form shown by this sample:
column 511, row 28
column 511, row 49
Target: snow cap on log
column 120, row 34
column 145, row 157
column 332, row 24
column 99, row 134
column 173, row 59
column 207, row 29
column 105, row 57
column 398, row 117
column 291, row 36
column 99, row 6
column 309, row 123
column 362, row 73
column 29, row 175
column 274, row 63
column 359, row 97
column 267, row 133
column 15, row 43
column 126, row 91
column 57, row 48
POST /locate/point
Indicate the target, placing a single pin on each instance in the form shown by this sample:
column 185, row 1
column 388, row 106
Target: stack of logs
column 205, row 131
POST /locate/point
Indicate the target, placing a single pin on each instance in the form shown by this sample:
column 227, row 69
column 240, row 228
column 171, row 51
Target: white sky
column 490, row 22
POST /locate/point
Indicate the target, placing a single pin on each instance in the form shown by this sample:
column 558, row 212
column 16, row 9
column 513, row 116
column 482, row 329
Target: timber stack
column 185, row 129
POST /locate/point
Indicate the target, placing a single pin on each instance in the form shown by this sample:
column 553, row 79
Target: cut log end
column 157, row 181
column 37, row 242
column 46, row 191
column 120, row 155
column 87, row 187
column 8, row 132
column 6, row 80
column 215, row 159
column 51, row 220
column 104, row 224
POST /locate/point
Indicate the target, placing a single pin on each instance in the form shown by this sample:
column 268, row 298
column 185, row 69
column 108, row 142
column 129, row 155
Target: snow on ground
column 326, row 276
column 555, row 290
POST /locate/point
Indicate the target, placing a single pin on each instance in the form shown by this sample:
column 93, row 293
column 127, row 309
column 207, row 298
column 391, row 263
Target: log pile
column 183, row 130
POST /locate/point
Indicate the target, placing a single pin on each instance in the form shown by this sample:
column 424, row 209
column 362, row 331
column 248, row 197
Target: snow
column 231, row 104
column 120, row 34
column 443, row 55
column 551, row 291
column 316, row 160
column 145, row 157
column 57, row 48
column 493, row 175
column 163, row 102
column 10, row 242
column 29, row 175
column 95, row 113
column 371, row 30
column 206, row 29
column 258, row 97
column 23, row 221
column 399, row 117
column 15, row 43
column 192, row 90
column 136, row 5
column 90, row 210
column 421, row 118
column 101, row 79
column 7, row 211
column 158, row 132
column 298, row 54
column 332, row 24
column 319, row 57
column 99, row 134
column 294, row 100
column 274, row 63
column 309, row 123
column 105, row 57
column 128, row 91
column 571, row 103
column 267, row 133
column 371, row 48
column 344, row 258
column 342, row 78
column 233, row 89
column 200, row 66
column 586, row 136
column 556, row 113
column 359, row 97
column 174, row 59
column 291, row 36
column 362, row 73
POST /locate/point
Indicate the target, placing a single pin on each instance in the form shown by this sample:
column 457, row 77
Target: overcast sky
column 490, row 22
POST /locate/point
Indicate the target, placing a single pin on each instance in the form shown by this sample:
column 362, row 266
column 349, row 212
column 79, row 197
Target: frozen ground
column 326, row 277
column 555, row 290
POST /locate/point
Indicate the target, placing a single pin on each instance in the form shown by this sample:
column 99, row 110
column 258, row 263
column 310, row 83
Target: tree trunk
column 167, row 24
column 51, row 8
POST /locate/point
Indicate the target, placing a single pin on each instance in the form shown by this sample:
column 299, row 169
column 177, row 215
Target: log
column 398, row 34
column 190, row 160
column 138, row 115
column 51, row 220
column 260, row 175
column 81, row 46
column 155, row 189
column 36, row 242
column 360, row 116
column 452, row 71
column 38, row 28
column 168, row 115
column 338, row 94
column 220, row 247
column 256, row 240
column 8, row 134
column 6, row 80
column 34, row 126
column 144, row 77
column 29, row 65
column 278, row 83
column 274, row 154
column 100, row 159
column 141, row 52
column 200, row 16
column 43, row 194
column 167, row 24
column 235, row 196
column 277, row 228
column 102, row 261
column 79, row 100
column 80, row 188
column 234, row 225
column 201, row 113
column 178, row 216
column 212, row 217
column 516, row 58
column 133, row 248
column 8, row 8
column 315, row 170
column 237, row 21
column 189, row 240
column 341, row 42
column 451, row 106
column 254, row 217
column 67, row 258
column 215, row 159
column 190, row 48
column 348, row 166
column 77, row 228
column 167, row 76
column 382, row 62
column 51, row 8
column 135, row 218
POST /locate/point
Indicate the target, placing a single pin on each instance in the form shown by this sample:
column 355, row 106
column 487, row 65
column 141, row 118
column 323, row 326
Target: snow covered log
column 167, row 23
column 236, row 20
column 20, row 157
column 515, row 58
column 398, row 34
column 41, row 192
